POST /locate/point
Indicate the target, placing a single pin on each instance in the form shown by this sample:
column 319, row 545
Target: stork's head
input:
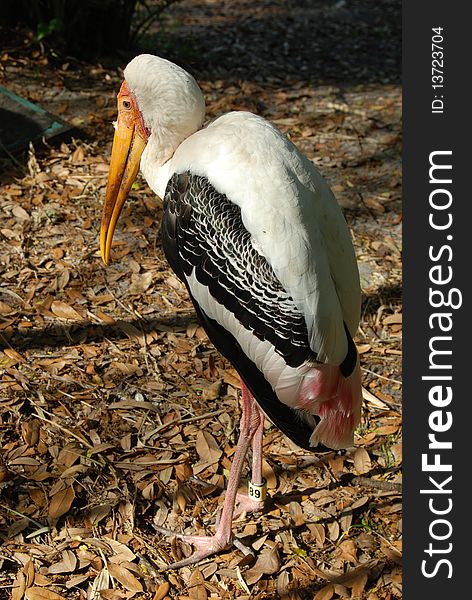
column 159, row 103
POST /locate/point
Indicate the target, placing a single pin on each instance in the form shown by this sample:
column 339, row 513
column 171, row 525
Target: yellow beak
column 128, row 146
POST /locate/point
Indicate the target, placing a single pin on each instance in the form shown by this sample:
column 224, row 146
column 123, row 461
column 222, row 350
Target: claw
column 205, row 545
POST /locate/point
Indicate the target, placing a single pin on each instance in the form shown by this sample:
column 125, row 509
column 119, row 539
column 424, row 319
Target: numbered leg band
column 257, row 491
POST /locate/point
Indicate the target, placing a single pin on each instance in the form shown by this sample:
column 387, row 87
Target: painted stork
column 257, row 237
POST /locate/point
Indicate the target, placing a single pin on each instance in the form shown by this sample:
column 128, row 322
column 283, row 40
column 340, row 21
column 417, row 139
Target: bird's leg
column 257, row 442
column 223, row 538
column 250, row 503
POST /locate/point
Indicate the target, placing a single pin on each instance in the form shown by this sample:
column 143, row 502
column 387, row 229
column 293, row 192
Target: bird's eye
column 126, row 104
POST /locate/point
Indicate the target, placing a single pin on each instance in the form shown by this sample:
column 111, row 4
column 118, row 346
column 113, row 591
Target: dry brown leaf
column 373, row 400
column 283, row 584
column 65, row 311
column 396, row 450
column 360, row 502
column 162, row 591
column 201, row 334
column 127, row 368
column 296, row 513
column 196, row 586
column 347, row 551
column 41, row 580
column 391, row 553
column 66, row 565
column 374, row 204
column 20, row 213
column 98, row 513
column 257, row 545
column 19, row 586
column 318, row 532
column 121, row 551
column 4, row 473
column 100, row 582
column 341, row 590
column 30, row 431
column 78, row 155
column 336, row 463
column 269, row 475
column 394, row 319
column 326, row 593
column 267, row 563
column 125, row 577
column 140, row 283
column 362, row 462
column 387, row 429
column 131, row 331
column 345, row 519
column 333, row 529
column 29, row 572
column 212, row 392
column 69, row 455
column 13, row 354
column 76, row 580
column 5, row 309
column 231, row 376
column 41, row 593
column 115, row 594
column 108, row 319
column 61, row 502
column 174, row 283
column 357, row 586
column 207, row 447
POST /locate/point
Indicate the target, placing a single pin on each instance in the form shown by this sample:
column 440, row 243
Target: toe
column 204, row 546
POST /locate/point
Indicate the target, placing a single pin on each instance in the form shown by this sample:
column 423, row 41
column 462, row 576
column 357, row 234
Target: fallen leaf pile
column 117, row 415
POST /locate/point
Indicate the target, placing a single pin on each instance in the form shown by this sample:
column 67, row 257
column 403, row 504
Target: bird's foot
column 204, row 545
column 246, row 504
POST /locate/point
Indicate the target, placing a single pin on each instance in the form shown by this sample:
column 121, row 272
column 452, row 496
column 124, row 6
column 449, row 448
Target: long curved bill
column 128, row 145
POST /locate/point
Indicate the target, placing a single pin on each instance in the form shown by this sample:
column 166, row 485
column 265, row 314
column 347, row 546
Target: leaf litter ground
column 116, row 412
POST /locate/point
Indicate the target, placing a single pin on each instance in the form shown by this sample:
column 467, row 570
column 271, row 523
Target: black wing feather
column 203, row 233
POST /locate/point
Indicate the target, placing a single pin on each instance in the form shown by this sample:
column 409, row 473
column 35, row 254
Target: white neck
column 155, row 162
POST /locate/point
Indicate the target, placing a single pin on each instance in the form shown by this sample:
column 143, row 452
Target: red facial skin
column 128, row 110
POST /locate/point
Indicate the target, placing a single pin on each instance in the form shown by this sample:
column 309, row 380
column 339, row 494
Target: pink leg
column 246, row 504
column 223, row 538
column 257, row 442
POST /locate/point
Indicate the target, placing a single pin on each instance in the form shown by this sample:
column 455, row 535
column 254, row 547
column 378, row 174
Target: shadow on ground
column 325, row 41
column 58, row 335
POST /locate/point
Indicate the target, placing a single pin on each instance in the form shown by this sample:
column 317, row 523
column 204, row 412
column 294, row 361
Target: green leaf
column 299, row 551
column 46, row 29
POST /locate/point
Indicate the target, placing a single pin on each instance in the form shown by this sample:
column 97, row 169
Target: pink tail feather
column 336, row 400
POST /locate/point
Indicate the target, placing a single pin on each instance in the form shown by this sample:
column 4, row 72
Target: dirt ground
column 116, row 413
